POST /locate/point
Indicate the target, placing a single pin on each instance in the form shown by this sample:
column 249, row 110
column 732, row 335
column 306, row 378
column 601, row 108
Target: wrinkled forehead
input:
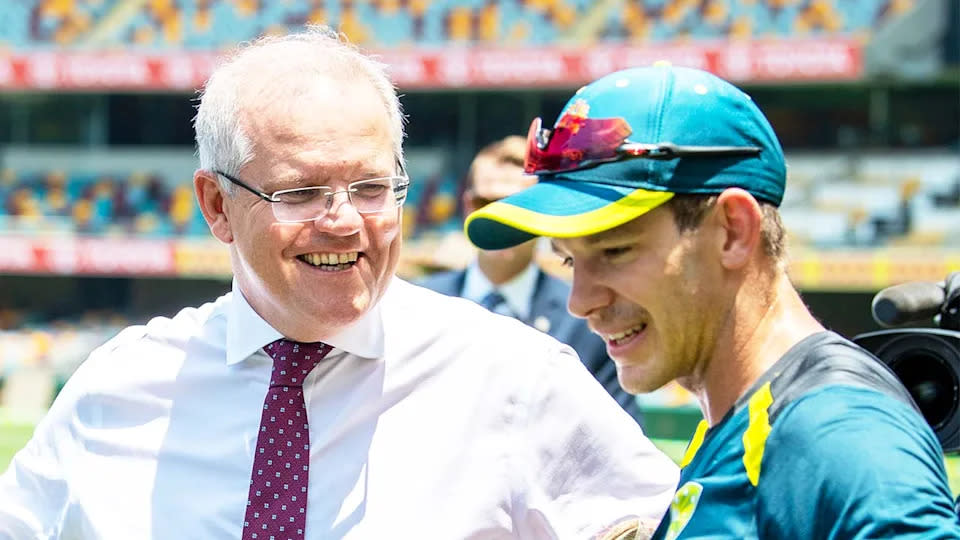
column 332, row 124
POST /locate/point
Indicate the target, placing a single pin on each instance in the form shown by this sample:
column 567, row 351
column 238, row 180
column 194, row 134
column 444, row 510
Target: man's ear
column 741, row 220
column 211, row 198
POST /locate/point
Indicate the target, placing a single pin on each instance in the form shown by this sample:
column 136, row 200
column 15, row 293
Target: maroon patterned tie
column 277, row 502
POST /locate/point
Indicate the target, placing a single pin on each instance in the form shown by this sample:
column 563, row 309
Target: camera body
column 927, row 363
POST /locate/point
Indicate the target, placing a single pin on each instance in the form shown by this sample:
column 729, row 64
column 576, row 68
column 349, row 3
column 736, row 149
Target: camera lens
column 926, row 361
column 930, row 382
column 923, row 365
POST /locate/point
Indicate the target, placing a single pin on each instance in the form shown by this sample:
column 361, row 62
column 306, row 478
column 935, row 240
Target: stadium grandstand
column 98, row 223
column 216, row 24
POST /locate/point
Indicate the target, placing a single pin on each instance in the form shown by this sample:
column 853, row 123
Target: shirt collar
column 247, row 332
column 518, row 292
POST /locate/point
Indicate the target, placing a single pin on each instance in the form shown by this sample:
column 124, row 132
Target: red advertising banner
column 453, row 67
column 86, row 256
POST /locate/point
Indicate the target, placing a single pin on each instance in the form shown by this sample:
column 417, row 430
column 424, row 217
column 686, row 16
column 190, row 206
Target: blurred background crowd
column 98, row 223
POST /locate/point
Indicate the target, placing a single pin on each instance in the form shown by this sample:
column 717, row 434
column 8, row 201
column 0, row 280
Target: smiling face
column 652, row 292
column 311, row 279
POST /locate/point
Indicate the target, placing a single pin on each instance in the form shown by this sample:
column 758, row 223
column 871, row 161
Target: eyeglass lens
column 366, row 196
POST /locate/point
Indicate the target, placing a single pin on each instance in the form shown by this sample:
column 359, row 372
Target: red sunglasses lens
column 532, row 162
column 575, row 142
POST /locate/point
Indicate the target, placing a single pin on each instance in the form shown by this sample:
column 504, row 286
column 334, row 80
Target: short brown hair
column 511, row 150
column 689, row 211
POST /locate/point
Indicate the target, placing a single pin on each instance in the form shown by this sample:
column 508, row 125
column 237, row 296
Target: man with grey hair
column 322, row 397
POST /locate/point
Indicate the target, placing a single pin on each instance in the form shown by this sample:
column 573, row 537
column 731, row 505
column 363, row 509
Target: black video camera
column 926, row 360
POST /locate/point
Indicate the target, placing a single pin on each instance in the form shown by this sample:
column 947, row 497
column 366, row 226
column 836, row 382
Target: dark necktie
column 277, row 502
column 493, row 300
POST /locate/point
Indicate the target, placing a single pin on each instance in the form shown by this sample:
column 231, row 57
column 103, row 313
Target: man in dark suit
column 510, row 282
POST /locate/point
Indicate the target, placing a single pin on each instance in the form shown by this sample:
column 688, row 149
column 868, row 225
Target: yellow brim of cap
column 483, row 226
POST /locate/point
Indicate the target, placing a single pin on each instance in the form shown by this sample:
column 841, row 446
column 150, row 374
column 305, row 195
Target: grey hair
column 221, row 141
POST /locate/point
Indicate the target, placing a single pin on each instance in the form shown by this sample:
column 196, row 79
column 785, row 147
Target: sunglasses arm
column 666, row 151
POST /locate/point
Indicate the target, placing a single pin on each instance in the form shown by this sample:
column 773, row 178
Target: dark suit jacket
column 550, row 301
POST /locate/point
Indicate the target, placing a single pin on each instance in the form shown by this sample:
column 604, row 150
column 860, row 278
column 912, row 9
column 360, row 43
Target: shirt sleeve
column 588, row 463
column 851, row 463
column 33, row 490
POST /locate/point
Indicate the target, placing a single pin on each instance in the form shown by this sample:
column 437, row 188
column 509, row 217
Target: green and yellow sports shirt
column 827, row 444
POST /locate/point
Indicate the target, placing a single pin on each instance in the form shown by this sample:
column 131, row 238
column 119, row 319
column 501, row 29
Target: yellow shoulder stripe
column 755, row 437
column 695, row 443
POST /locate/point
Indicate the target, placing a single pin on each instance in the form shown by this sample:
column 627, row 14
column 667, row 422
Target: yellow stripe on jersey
column 755, row 437
column 695, row 443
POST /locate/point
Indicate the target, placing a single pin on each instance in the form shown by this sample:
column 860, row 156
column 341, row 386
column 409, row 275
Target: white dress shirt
column 432, row 418
column 517, row 292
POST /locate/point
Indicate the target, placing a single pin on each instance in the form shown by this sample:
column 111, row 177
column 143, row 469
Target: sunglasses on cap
column 578, row 142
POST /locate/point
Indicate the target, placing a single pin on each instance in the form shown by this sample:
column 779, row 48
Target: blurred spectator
column 83, row 216
column 435, row 203
column 102, row 202
column 182, row 208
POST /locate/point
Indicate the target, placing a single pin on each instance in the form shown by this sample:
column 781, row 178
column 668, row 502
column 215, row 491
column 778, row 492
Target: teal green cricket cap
column 630, row 142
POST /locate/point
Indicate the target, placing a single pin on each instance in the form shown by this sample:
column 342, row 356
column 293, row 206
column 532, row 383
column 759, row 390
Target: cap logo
column 579, row 108
column 572, row 119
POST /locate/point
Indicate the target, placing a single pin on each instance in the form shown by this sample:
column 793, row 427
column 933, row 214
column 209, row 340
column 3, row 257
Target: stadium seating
column 873, row 199
column 97, row 203
column 145, row 204
column 214, row 24
column 833, row 200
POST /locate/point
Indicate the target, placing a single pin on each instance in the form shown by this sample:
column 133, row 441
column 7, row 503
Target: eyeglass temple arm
column 233, row 180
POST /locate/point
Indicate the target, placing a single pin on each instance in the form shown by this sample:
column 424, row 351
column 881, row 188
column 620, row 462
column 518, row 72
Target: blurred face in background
column 311, row 279
column 492, row 181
